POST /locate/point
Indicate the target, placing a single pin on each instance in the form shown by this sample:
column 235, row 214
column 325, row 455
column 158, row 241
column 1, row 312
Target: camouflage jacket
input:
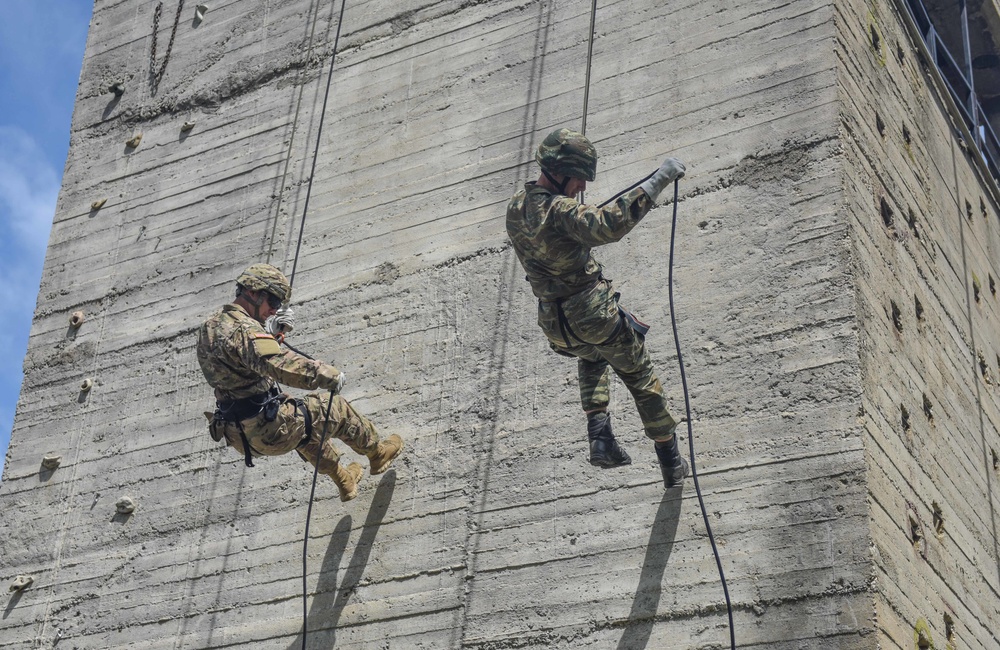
column 553, row 236
column 239, row 358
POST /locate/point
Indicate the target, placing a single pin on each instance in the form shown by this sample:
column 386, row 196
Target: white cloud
column 28, row 190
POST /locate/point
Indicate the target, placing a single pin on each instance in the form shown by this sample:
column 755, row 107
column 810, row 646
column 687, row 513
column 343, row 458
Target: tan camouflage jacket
column 553, row 236
column 239, row 358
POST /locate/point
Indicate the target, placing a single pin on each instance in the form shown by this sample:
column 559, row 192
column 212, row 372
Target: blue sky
column 41, row 52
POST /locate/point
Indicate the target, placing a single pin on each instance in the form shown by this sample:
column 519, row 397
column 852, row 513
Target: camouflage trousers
column 590, row 327
column 287, row 431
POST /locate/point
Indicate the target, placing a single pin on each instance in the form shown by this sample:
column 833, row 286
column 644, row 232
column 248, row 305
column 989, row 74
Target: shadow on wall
column 647, row 594
column 12, row 603
column 328, row 601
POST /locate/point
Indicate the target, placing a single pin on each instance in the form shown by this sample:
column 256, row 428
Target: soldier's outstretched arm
column 594, row 226
column 262, row 353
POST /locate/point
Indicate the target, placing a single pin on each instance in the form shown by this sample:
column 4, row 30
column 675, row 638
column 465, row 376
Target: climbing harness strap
column 237, row 410
column 300, row 407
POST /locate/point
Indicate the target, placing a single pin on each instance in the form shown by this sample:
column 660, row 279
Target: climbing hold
column 51, row 461
column 76, row 320
column 97, row 205
column 199, row 12
column 125, row 506
column 118, row 88
column 21, row 583
column 134, row 141
column 86, row 385
column 187, row 126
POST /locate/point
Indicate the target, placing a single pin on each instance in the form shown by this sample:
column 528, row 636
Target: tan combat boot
column 386, row 452
column 347, row 480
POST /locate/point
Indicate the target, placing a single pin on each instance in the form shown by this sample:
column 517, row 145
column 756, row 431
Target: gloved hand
column 341, row 378
column 282, row 322
column 669, row 171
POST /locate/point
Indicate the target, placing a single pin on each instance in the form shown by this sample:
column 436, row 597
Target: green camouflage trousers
column 592, row 329
column 288, row 430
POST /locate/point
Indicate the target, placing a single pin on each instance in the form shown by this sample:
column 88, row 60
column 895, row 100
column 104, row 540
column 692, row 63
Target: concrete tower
column 838, row 253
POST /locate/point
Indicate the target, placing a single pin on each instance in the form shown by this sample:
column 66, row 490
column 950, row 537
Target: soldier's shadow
column 647, row 594
column 327, row 602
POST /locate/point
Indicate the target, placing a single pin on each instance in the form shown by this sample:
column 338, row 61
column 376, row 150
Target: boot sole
column 381, row 469
column 608, row 464
column 357, row 476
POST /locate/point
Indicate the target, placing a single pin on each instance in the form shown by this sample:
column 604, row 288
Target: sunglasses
column 273, row 301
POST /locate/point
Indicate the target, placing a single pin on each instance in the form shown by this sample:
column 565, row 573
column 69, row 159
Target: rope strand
column 690, row 427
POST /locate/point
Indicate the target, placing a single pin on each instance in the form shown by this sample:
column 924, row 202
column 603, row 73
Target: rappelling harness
column 264, row 404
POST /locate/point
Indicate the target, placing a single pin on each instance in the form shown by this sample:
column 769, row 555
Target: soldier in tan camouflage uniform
column 243, row 362
column 578, row 310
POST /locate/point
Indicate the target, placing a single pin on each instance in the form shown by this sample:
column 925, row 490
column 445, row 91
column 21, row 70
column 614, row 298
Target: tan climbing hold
column 125, row 506
column 134, row 141
column 86, row 385
column 21, row 583
column 51, row 461
column 187, row 126
column 76, row 320
column 97, row 205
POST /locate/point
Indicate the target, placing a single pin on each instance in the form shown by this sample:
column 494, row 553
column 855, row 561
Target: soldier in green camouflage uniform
column 578, row 310
column 243, row 361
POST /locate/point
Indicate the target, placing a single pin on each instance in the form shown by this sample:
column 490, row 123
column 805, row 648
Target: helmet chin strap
column 256, row 302
column 560, row 186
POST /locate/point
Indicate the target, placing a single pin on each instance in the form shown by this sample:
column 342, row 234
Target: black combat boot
column 672, row 465
column 604, row 449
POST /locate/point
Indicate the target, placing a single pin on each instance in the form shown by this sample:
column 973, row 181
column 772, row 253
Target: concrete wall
column 925, row 242
column 493, row 532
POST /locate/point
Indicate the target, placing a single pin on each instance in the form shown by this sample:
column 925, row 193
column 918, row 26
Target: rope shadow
column 647, row 594
column 328, row 601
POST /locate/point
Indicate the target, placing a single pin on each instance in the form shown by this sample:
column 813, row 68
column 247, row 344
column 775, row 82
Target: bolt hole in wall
column 886, row 211
column 911, row 221
column 938, row 519
column 915, row 536
column 897, row 316
column 949, row 628
column 928, row 408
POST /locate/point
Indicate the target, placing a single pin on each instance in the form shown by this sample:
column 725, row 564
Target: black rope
column 305, row 540
column 291, row 280
column 687, row 408
column 291, row 140
column 586, row 84
column 590, row 57
column 319, row 137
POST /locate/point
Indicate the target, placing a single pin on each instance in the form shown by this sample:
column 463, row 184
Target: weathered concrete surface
column 925, row 237
column 493, row 532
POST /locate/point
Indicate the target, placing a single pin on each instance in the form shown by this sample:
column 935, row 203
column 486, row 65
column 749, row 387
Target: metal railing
column 960, row 83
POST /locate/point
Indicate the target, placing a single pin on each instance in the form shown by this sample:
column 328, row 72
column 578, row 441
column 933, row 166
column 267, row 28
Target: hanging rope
column 291, row 280
column 319, row 138
column 291, row 139
column 690, row 427
column 673, row 323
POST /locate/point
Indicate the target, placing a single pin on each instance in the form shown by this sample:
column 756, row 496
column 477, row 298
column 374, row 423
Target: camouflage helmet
column 264, row 277
column 568, row 153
